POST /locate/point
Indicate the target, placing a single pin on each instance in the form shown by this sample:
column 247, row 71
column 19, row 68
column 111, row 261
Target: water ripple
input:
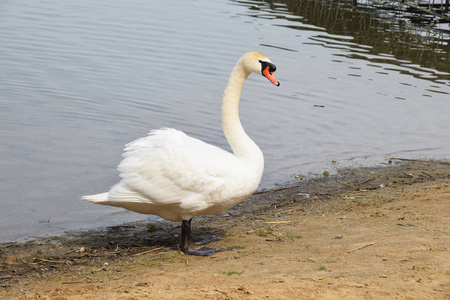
column 80, row 79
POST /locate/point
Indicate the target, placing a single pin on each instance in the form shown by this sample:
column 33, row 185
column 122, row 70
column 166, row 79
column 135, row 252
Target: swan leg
column 185, row 241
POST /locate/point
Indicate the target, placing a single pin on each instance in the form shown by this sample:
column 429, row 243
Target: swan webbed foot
column 186, row 241
column 204, row 239
column 202, row 251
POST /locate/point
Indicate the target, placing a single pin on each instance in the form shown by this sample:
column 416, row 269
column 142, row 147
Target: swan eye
column 265, row 64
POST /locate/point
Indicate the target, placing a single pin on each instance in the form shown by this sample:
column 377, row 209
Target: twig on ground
column 278, row 222
column 149, row 251
column 51, row 261
column 362, row 247
column 365, row 181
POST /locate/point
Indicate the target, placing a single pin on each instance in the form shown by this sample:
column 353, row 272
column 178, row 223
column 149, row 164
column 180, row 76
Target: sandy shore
column 366, row 234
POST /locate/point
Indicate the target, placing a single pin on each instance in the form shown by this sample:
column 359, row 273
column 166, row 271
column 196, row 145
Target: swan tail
column 99, row 198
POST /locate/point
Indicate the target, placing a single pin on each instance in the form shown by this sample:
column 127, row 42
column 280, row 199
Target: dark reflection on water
column 390, row 36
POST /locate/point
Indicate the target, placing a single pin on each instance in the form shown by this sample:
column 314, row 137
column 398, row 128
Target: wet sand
column 379, row 233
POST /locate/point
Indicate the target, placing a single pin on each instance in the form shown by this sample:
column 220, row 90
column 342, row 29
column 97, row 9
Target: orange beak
column 269, row 75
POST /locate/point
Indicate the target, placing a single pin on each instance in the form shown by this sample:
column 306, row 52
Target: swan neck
column 240, row 142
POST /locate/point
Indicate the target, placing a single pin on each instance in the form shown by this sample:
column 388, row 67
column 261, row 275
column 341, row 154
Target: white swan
column 177, row 177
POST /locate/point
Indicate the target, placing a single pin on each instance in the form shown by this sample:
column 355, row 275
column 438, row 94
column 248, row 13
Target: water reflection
column 378, row 36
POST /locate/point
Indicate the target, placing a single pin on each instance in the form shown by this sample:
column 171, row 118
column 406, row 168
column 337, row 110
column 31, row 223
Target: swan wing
column 169, row 167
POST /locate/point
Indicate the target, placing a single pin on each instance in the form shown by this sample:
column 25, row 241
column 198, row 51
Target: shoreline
column 256, row 231
column 296, row 182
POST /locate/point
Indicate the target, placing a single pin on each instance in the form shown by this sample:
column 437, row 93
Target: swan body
column 177, row 177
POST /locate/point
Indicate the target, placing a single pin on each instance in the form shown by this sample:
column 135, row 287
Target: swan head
column 260, row 64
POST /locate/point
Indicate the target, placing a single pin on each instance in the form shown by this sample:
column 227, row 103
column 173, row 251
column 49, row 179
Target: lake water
column 80, row 79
